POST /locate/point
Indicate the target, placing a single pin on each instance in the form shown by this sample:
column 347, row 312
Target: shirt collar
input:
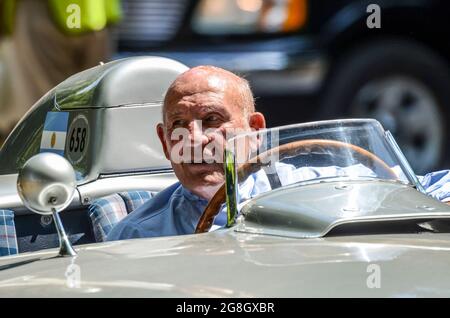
column 191, row 196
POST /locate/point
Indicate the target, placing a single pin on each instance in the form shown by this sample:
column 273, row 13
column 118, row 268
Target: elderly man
column 208, row 103
column 217, row 100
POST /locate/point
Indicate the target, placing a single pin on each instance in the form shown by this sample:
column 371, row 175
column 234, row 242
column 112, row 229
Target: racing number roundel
column 77, row 139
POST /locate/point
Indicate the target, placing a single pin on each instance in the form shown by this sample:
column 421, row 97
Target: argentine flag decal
column 54, row 133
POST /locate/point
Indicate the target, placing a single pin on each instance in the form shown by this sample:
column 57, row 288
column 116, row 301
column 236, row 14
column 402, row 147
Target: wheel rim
column 410, row 111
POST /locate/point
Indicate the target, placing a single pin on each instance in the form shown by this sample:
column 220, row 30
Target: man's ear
column 162, row 138
column 257, row 121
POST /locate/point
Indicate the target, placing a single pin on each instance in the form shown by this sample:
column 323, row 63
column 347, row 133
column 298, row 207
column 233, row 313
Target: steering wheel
column 287, row 150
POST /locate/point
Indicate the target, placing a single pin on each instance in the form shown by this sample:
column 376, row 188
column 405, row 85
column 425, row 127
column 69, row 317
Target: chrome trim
column 404, row 162
column 106, row 186
column 135, row 173
column 65, row 247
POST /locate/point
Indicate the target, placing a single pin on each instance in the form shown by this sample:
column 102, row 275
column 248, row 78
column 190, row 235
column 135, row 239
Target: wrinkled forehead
column 196, row 88
column 196, row 85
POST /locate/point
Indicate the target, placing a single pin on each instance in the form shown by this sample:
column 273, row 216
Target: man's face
column 197, row 121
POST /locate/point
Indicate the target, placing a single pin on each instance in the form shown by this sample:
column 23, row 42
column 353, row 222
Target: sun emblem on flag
column 53, row 140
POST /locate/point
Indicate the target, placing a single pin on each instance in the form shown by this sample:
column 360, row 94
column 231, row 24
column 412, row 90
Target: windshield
column 313, row 152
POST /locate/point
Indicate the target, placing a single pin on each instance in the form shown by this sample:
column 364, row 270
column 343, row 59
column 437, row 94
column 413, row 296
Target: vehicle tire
column 405, row 86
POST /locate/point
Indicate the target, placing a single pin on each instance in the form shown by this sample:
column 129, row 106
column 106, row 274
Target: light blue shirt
column 176, row 211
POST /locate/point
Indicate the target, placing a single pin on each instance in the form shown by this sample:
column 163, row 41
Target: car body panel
column 123, row 82
column 229, row 264
column 313, row 210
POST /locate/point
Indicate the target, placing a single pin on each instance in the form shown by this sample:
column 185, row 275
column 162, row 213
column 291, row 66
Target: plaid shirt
column 106, row 212
column 8, row 237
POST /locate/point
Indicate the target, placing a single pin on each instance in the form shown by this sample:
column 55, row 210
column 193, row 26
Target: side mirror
column 46, row 185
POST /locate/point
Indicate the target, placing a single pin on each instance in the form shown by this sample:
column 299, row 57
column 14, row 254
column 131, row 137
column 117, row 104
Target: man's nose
column 197, row 136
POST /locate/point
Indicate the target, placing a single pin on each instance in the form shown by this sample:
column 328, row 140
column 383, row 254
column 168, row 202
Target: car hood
column 229, row 264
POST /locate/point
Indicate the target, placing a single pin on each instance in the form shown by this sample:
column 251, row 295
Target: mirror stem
column 65, row 248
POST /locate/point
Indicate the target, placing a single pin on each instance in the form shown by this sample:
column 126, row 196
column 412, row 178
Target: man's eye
column 212, row 118
column 178, row 123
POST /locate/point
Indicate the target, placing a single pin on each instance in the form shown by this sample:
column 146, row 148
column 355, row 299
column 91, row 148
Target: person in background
column 42, row 42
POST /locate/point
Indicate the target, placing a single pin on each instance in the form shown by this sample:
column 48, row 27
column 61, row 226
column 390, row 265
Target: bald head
column 208, row 78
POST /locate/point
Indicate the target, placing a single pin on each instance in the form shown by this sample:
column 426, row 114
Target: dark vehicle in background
column 311, row 60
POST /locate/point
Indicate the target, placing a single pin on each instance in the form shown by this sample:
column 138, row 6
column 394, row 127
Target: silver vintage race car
column 342, row 214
